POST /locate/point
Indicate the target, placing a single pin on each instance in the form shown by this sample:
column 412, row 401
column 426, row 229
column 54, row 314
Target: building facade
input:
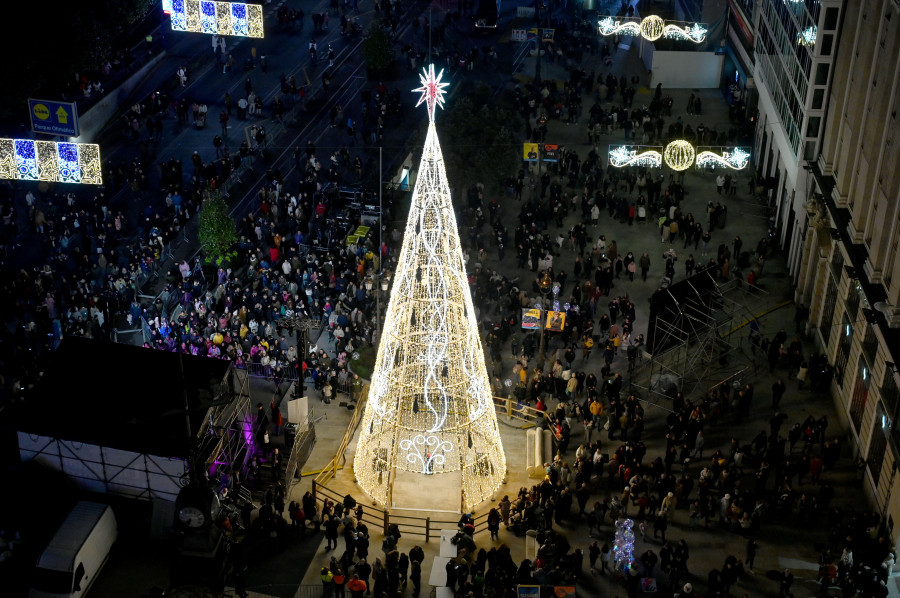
column 848, row 271
column 794, row 49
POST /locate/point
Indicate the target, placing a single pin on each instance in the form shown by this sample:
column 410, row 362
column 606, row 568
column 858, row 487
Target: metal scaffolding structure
column 705, row 341
column 222, row 438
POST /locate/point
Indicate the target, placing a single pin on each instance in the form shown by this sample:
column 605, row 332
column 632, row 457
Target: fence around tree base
column 409, row 524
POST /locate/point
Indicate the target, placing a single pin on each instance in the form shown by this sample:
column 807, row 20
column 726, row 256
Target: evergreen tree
column 217, row 230
column 378, row 51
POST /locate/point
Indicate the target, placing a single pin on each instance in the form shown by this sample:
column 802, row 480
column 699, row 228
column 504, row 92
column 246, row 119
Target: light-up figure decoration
column 652, row 28
column 430, row 409
column 736, row 159
column 623, row 545
column 621, row 156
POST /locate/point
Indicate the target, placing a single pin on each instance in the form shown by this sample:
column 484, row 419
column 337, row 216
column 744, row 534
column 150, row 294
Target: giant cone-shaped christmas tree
column 430, row 410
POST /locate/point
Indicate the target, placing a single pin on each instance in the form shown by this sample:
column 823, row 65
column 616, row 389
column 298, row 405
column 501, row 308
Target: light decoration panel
column 736, row 159
column 807, row 37
column 652, row 28
column 694, row 33
column 623, row 544
column 621, row 156
column 430, row 409
column 60, row 162
column 219, row 18
column 611, row 26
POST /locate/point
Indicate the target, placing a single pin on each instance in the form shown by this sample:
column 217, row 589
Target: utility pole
column 380, row 244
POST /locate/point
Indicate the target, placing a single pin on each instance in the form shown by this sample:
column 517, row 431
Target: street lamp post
column 380, row 244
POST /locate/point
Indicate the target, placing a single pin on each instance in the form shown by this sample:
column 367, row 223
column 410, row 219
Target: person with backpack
column 389, row 544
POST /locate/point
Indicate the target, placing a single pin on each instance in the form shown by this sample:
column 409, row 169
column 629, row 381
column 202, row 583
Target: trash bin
column 290, row 434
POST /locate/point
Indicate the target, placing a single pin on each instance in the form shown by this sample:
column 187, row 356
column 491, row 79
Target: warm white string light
column 430, row 408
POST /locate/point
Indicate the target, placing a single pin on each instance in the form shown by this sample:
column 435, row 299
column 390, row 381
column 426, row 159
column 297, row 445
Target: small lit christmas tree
column 430, row 409
column 623, row 545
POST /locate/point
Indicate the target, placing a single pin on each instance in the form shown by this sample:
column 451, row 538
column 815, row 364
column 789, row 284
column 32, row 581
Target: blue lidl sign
column 54, row 118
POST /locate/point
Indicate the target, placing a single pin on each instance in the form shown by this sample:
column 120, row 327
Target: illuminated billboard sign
column 61, row 162
column 217, row 18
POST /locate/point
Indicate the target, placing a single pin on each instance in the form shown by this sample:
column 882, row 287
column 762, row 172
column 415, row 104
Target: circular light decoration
column 679, row 155
column 652, row 27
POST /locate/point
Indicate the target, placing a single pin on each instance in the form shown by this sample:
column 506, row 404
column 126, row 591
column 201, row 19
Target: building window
column 828, row 312
column 809, row 150
column 846, row 338
column 852, row 304
column 812, row 126
column 890, row 398
column 831, row 19
column 837, row 265
column 860, row 395
column 818, row 99
column 881, row 427
column 870, row 344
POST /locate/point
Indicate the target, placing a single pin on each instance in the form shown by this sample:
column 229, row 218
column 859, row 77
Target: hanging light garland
column 430, row 409
column 678, row 155
column 652, row 28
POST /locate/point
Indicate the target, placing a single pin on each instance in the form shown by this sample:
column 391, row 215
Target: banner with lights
column 678, row 155
column 652, row 28
column 61, row 162
column 219, row 18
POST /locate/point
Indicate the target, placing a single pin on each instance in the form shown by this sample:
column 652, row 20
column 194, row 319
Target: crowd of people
column 80, row 260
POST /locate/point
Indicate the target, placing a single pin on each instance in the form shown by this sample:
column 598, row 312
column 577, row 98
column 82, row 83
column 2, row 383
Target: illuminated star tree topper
column 432, row 90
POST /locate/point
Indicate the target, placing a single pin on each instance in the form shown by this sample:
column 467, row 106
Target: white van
column 76, row 554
